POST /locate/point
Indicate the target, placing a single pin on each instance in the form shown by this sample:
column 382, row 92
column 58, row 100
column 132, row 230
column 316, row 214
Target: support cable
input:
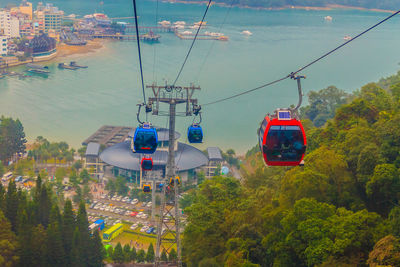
column 213, row 42
column 138, row 45
column 194, row 40
column 293, row 74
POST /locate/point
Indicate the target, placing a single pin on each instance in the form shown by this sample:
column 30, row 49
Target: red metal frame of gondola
column 277, row 122
column 141, row 164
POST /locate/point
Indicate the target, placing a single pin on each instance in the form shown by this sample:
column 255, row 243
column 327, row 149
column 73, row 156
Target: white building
column 5, row 23
column 3, row 45
column 14, row 27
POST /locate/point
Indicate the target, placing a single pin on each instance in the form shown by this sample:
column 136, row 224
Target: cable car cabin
column 195, row 133
column 147, row 164
column 145, row 139
column 146, row 188
column 282, row 139
column 172, row 181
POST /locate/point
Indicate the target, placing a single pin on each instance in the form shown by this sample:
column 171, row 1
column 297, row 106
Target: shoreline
column 92, row 46
column 314, row 8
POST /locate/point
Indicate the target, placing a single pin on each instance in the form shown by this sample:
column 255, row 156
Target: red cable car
column 147, row 164
column 282, row 139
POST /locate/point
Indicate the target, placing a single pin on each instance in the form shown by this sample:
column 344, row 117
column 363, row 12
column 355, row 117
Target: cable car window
column 284, row 143
column 145, row 141
column 196, row 134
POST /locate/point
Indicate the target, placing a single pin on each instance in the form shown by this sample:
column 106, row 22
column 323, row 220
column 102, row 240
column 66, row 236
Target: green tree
column 12, row 138
column 110, row 251
column 172, row 255
column 141, row 256
column 55, row 253
column 164, row 257
column 60, row 174
column 85, row 176
column 383, row 187
column 12, row 203
column 98, row 252
column 84, row 235
column 39, row 246
column 118, row 255
column 2, row 169
column 68, row 227
column 394, row 221
column 150, row 253
column 133, row 254
column 8, row 243
column 127, row 253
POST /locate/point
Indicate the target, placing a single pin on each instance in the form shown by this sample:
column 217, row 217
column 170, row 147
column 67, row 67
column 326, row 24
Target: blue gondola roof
column 162, row 134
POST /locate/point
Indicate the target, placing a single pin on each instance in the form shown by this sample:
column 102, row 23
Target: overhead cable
column 194, row 40
column 138, row 45
column 306, row 66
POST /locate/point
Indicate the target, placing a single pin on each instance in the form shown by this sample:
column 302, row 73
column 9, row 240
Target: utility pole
column 172, row 95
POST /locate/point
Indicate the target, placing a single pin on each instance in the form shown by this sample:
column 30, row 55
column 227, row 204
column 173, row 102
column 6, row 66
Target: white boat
column 187, row 33
column 179, row 27
column 179, row 23
column 165, row 23
column 248, row 33
column 328, row 18
column 347, row 38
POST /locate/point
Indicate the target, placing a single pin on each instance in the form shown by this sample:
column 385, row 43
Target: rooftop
column 92, row 149
column 214, row 153
column 121, row 156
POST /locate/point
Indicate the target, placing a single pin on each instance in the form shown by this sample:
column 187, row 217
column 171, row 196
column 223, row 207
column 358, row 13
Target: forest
column 340, row 209
column 34, row 232
column 372, row 4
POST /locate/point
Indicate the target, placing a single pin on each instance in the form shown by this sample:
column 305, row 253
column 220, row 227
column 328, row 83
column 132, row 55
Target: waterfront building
column 14, row 27
column 41, row 45
column 26, row 8
column 5, row 24
column 26, row 29
column 53, row 19
column 3, row 45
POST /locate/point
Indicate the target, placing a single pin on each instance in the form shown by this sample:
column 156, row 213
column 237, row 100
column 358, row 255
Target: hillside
column 370, row 4
column 340, row 209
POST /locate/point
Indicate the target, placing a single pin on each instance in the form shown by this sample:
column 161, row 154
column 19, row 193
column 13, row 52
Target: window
column 284, row 143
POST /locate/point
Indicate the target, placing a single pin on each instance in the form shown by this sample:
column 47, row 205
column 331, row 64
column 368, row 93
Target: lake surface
column 71, row 105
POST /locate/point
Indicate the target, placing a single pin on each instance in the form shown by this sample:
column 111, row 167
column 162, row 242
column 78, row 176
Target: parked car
column 150, row 230
column 144, row 228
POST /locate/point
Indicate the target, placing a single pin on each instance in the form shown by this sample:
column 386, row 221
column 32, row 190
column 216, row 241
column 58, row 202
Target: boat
column 38, row 67
column 65, row 66
column 328, row 18
column 247, row 33
column 38, row 71
column 74, row 64
column 347, row 38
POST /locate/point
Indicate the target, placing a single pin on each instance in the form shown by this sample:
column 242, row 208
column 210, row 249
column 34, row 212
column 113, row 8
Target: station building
column 118, row 159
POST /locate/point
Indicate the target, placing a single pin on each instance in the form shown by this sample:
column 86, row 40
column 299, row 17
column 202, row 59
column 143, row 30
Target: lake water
column 71, row 105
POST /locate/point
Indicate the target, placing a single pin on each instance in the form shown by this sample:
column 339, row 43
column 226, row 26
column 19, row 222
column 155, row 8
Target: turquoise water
column 71, row 105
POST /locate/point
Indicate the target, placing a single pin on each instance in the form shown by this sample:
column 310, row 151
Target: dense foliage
column 382, row 4
column 340, row 209
column 44, row 151
column 12, row 139
column 33, row 231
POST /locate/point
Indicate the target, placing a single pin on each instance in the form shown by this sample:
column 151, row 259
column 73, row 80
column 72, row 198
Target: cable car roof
column 162, row 133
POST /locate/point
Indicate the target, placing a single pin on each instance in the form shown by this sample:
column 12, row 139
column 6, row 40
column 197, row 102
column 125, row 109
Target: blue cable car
column 195, row 133
column 145, row 139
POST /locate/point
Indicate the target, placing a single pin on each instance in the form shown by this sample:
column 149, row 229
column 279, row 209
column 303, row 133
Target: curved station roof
column 186, row 157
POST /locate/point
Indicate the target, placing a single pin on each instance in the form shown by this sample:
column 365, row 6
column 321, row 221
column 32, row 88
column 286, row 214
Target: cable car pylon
column 166, row 237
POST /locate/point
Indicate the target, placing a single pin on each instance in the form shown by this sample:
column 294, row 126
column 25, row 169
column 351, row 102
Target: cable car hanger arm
column 298, row 78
